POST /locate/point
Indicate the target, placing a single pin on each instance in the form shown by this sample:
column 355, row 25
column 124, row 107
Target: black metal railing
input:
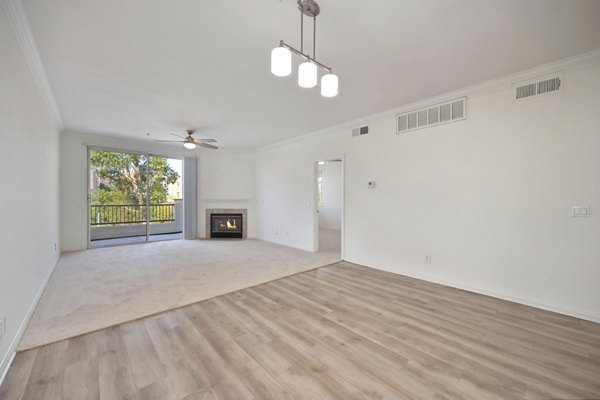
column 118, row 214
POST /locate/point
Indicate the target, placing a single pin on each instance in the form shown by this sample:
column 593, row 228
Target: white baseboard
column 289, row 245
column 10, row 354
column 330, row 228
column 528, row 302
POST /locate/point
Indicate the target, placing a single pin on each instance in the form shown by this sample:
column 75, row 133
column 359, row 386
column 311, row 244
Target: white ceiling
column 128, row 67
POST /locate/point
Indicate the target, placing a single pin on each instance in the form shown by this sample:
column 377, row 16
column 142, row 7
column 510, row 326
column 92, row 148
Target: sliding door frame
column 143, row 153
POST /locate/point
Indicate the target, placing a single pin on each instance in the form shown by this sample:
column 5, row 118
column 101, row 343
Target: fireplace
column 216, row 223
column 226, row 225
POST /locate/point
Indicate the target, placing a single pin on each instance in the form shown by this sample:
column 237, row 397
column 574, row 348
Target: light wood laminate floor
column 337, row 332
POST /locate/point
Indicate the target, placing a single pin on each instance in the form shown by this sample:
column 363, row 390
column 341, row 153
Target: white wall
column 226, row 180
column 73, row 182
column 330, row 211
column 488, row 198
column 29, row 192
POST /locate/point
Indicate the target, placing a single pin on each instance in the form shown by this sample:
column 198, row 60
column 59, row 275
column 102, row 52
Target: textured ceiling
column 128, row 67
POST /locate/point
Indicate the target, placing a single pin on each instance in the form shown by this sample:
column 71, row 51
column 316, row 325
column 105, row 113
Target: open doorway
column 329, row 182
column 133, row 198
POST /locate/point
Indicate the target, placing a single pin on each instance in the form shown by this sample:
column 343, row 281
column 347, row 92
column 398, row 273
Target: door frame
column 148, row 154
column 315, row 202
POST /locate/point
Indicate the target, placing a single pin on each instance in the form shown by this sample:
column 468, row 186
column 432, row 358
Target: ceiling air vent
column 538, row 88
column 435, row 114
column 363, row 130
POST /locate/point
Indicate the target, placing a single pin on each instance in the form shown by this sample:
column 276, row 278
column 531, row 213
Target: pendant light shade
column 281, row 61
column 189, row 145
column 307, row 74
column 329, row 85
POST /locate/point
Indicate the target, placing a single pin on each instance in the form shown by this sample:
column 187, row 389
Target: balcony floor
column 94, row 244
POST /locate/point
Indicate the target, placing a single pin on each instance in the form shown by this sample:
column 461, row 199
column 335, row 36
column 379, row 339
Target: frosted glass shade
column 307, row 75
column 189, row 145
column 281, row 61
column 329, row 85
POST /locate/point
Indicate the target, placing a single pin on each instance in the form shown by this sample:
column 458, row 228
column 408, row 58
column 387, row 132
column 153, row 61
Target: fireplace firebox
column 226, row 226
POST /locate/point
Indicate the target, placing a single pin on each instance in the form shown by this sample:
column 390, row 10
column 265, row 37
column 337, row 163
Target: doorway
column 329, row 201
column 133, row 198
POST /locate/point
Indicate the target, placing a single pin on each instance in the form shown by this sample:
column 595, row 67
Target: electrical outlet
column 2, row 327
column 428, row 259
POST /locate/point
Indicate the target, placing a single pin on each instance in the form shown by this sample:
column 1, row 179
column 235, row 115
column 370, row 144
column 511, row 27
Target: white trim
column 293, row 246
column 15, row 15
column 582, row 61
column 10, row 354
column 519, row 300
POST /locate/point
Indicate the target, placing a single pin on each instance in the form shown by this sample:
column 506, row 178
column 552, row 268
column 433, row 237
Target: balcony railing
column 119, row 214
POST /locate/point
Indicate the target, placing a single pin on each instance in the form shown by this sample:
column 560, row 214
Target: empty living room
column 300, row 199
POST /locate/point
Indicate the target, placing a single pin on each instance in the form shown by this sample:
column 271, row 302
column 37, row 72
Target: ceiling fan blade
column 176, row 135
column 198, row 141
column 168, row 141
column 208, row 146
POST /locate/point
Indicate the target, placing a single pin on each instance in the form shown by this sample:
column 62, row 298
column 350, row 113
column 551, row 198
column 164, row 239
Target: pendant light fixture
column 281, row 61
column 281, row 56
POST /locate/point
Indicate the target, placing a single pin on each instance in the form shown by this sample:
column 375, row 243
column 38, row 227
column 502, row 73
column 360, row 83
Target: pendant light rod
column 314, row 37
column 301, row 28
column 306, row 56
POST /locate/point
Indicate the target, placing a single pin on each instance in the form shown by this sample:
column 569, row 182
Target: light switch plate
column 580, row 211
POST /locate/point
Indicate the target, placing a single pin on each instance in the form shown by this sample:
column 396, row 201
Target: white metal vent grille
column 435, row 114
column 538, row 88
column 363, row 130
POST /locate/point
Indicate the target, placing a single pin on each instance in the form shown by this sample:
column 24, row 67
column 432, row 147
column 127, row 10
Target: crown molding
column 15, row 15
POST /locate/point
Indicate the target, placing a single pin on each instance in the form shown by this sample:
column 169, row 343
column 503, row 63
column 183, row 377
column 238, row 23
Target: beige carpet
column 98, row 288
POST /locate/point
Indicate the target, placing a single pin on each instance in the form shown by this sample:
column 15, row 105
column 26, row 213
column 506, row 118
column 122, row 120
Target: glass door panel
column 117, row 198
column 166, row 199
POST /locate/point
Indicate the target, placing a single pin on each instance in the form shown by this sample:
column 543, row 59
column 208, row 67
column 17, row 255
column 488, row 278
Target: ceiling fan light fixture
column 329, row 85
column 307, row 75
column 190, row 142
column 281, row 61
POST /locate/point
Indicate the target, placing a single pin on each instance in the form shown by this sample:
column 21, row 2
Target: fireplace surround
column 226, row 223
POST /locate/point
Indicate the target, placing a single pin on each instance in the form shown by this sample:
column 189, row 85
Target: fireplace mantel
column 243, row 211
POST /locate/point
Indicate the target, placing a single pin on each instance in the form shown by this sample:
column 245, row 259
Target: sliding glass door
column 133, row 198
column 165, row 190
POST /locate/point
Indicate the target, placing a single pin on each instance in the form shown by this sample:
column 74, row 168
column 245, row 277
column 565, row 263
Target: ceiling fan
column 190, row 142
